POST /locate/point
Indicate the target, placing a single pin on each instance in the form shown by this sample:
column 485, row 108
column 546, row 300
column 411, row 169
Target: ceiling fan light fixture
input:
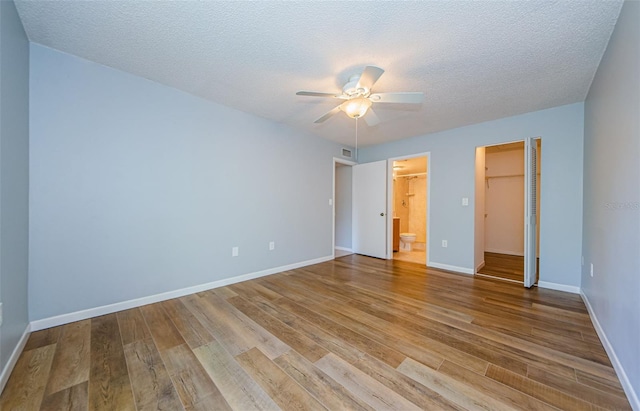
column 358, row 99
column 356, row 107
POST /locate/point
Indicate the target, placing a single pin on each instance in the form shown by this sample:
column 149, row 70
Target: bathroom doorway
column 409, row 205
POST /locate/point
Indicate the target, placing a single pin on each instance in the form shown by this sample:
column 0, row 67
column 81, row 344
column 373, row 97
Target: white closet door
column 530, row 230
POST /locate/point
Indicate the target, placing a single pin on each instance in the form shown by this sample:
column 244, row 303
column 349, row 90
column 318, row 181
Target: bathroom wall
column 418, row 209
column 400, row 190
column 413, row 215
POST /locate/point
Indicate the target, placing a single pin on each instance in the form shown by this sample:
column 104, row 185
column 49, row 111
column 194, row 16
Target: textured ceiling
column 475, row 61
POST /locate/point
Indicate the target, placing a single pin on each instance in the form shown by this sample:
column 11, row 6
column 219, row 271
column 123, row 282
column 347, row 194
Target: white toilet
column 406, row 239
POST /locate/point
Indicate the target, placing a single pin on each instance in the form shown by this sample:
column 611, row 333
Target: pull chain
column 356, row 139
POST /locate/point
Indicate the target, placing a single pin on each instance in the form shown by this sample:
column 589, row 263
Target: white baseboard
column 344, row 249
column 125, row 305
column 508, row 252
column 632, row 395
column 559, row 287
column 6, row 372
column 462, row 270
column 479, row 267
column 507, row 280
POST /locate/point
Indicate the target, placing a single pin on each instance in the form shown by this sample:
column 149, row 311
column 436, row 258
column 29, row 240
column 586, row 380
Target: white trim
column 507, row 252
column 632, row 395
column 462, row 270
column 344, row 249
column 480, row 266
column 492, row 277
column 559, row 287
column 333, row 210
column 125, row 305
column 345, row 162
column 13, row 359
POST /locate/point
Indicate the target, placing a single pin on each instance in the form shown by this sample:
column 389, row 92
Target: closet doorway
column 409, row 190
column 501, row 205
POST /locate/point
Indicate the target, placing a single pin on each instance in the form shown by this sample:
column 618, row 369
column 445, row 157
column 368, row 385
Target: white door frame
column 333, row 202
column 390, row 202
column 527, row 198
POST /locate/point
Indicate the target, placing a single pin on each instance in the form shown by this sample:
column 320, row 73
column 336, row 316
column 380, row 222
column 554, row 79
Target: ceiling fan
column 359, row 97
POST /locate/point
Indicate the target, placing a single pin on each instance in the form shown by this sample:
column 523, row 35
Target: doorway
column 372, row 196
column 342, row 203
column 409, row 197
column 503, row 231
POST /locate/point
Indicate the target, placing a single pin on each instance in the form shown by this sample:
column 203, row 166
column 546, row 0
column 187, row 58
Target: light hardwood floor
column 352, row 333
column 505, row 266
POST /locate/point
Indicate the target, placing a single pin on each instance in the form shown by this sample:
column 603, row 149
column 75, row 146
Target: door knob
column 381, row 214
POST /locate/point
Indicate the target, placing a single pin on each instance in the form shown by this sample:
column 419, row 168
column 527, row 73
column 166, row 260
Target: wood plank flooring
column 505, row 266
column 355, row 333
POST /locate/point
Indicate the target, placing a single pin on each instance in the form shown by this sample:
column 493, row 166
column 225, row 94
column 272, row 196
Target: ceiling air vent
column 346, row 153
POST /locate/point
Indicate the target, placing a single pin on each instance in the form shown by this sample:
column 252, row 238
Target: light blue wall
column 611, row 238
column 343, row 206
column 14, row 178
column 139, row 189
column 452, row 178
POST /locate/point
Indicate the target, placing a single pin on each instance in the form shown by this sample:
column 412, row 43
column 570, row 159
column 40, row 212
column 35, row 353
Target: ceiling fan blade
column 371, row 118
column 318, row 94
column 329, row 114
column 402, row 97
column 369, row 76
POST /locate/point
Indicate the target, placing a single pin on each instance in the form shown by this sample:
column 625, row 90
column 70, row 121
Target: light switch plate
column 465, row 201
column 235, row 251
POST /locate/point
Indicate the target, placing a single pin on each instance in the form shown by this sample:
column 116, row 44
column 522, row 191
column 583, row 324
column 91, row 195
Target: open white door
column 370, row 209
column 530, row 231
